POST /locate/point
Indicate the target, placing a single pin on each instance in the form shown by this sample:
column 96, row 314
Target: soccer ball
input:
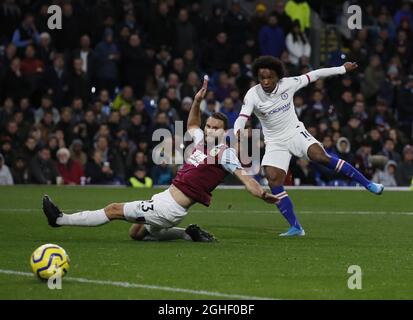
column 48, row 260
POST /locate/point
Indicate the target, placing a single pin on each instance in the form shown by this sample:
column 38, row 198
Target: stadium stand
column 81, row 103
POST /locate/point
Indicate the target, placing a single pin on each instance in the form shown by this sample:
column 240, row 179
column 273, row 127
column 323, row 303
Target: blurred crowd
column 79, row 105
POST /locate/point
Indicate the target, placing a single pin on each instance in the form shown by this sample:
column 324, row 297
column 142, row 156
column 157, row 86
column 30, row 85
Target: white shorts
column 278, row 154
column 162, row 211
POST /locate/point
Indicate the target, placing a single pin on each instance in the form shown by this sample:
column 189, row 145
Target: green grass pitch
column 343, row 228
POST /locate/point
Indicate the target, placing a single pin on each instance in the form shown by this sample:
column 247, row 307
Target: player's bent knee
column 274, row 176
column 114, row 210
column 318, row 154
column 137, row 232
column 321, row 158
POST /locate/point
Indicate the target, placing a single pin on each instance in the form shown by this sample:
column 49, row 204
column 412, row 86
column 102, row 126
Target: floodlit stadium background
column 74, row 88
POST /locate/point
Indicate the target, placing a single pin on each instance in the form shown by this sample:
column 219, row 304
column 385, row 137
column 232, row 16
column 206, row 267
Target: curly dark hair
column 268, row 62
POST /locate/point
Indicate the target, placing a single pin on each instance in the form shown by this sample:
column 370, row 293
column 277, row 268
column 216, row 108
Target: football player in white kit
column 272, row 103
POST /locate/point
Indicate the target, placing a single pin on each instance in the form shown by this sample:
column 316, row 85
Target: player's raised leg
column 317, row 154
column 276, row 177
column 57, row 218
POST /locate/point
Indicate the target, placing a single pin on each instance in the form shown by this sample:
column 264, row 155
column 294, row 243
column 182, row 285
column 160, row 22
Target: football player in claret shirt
column 156, row 219
column 272, row 102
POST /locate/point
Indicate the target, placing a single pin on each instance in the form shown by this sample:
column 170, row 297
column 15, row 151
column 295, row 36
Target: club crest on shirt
column 214, row 151
column 284, row 95
column 197, row 158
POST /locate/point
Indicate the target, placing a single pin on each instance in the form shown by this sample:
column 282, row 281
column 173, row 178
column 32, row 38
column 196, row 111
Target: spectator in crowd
column 185, row 109
column 382, row 116
column 107, row 58
column 20, row 171
column 46, row 105
column 27, row 33
column 343, row 150
column 87, row 56
column 405, row 104
column 6, row 178
column 137, row 159
column 162, row 174
column 159, row 23
column 56, row 81
column 190, row 87
column 272, row 38
column 223, row 87
column 164, row 106
column 29, row 150
column 10, row 52
column 235, row 23
column 389, row 152
column 26, row 109
column 215, row 22
column 404, row 172
column 7, row 111
column 303, row 173
column 258, row 19
column 362, row 160
column 136, row 127
column 124, row 98
column 23, row 125
column 67, row 38
column 134, row 65
column 140, row 178
column 16, row 85
column 70, row 170
column 77, row 153
column 97, row 171
column 31, row 65
column 403, row 13
column 43, row 169
column 110, row 156
column 45, row 50
column 79, row 82
column 10, row 16
column 373, row 76
column 218, row 53
column 229, row 110
column 185, row 33
column 387, row 176
column 390, row 86
column 283, row 18
column 354, row 131
column 374, row 139
column 359, row 53
column 173, row 96
column 297, row 44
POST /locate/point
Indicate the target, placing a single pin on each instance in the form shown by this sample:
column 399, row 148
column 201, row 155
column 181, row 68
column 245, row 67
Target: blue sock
column 286, row 206
column 341, row 166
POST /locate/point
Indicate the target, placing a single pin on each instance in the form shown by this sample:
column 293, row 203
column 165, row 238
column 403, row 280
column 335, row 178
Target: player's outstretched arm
column 328, row 72
column 194, row 118
column 254, row 187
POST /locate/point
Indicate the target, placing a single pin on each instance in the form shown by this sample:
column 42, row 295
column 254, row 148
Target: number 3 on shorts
column 147, row 205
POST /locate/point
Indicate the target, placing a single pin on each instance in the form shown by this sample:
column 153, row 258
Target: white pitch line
column 123, row 284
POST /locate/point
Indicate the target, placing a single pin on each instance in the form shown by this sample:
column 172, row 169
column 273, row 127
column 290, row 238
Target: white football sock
column 168, row 234
column 84, row 218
